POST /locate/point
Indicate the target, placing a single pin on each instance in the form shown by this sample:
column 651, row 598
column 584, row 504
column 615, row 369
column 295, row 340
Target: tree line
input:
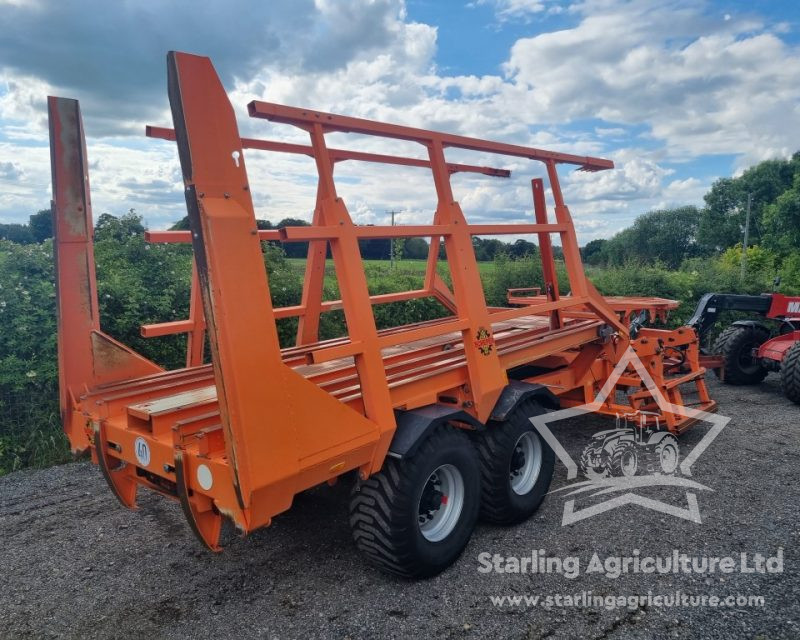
column 486, row 249
column 671, row 236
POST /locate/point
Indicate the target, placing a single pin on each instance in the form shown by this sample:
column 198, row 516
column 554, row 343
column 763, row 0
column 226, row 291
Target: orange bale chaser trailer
column 432, row 417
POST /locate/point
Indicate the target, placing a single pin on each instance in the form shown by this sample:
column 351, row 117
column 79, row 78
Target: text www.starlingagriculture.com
column 589, row 600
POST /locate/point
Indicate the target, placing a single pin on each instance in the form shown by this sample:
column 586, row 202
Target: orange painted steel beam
column 241, row 328
column 302, row 234
column 624, row 305
column 313, row 283
column 185, row 237
column 339, row 155
column 335, row 305
column 159, row 329
column 546, row 249
column 389, row 340
column 196, row 338
column 487, row 377
column 537, row 309
column 347, row 124
column 305, row 234
column 580, row 285
column 76, row 289
column 354, row 290
column 86, row 355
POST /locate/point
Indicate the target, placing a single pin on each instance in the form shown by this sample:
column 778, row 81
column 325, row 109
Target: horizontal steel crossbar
column 332, row 122
column 340, row 155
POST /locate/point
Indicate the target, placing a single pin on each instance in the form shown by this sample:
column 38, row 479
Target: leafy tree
column 375, row 248
column 15, row 232
column 38, row 229
column 415, row 249
column 521, row 248
column 723, row 219
column 781, row 221
column 487, row 248
column 140, row 283
column 294, row 249
column 30, row 433
column 181, row 225
column 397, row 248
column 110, row 227
column 593, row 252
column 667, row 236
column 41, row 225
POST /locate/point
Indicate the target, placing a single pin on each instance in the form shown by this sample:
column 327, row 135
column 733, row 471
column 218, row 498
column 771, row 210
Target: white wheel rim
column 526, row 463
column 628, row 465
column 445, row 486
column 669, row 458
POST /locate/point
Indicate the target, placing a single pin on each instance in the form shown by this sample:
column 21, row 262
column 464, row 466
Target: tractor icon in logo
column 637, row 446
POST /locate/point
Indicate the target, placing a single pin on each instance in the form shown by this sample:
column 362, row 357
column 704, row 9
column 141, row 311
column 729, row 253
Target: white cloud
column 685, row 81
column 687, row 191
column 10, row 171
column 702, row 85
column 524, row 10
column 633, row 179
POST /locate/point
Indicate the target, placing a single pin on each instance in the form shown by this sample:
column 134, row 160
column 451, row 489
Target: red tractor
column 750, row 349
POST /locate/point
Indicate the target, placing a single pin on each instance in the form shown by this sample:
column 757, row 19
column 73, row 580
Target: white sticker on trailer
column 142, row 451
column 204, row 477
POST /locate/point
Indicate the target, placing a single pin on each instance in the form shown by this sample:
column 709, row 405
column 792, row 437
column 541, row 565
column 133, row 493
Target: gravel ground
column 78, row 565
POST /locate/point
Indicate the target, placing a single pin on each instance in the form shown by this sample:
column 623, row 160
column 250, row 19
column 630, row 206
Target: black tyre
column 624, row 459
column 664, row 456
column 415, row 516
column 790, row 373
column 736, row 345
column 516, row 466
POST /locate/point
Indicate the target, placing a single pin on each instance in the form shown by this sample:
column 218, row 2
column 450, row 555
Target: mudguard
column 657, row 437
column 750, row 323
column 414, row 425
column 515, row 392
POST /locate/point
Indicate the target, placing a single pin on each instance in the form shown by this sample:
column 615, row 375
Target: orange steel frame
column 264, row 423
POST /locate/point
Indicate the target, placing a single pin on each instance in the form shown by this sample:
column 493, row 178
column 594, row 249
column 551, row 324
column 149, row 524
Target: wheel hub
column 628, row 464
column 440, row 503
column 431, row 499
column 526, row 463
column 517, row 460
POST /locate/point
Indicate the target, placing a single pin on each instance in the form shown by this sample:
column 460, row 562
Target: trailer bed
column 181, row 399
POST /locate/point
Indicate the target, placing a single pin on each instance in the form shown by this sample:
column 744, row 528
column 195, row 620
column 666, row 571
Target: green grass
column 384, row 268
column 401, row 266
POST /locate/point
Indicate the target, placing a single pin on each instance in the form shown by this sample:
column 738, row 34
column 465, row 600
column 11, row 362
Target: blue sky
column 677, row 93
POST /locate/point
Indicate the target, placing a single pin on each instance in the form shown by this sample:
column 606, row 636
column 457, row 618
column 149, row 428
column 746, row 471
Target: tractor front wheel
column 593, row 463
column 415, row 516
column 736, row 345
column 790, row 373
